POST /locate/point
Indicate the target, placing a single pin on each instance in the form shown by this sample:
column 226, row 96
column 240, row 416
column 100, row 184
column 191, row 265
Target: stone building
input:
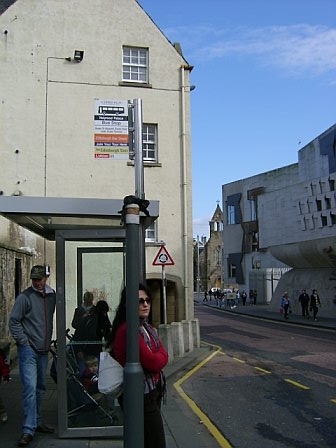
column 209, row 256
column 214, row 247
column 68, row 72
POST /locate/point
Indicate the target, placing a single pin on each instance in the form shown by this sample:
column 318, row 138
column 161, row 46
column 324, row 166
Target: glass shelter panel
column 93, row 279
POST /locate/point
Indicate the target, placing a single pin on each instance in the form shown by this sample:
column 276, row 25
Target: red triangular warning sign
column 163, row 258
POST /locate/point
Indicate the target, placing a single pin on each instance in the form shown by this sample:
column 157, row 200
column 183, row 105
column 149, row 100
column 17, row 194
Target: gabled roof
column 5, row 4
column 218, row 215
column 175, row 45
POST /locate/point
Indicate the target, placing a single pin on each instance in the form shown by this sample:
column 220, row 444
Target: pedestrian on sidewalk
column 255, row 295
column 304, row 301
column 244, row 297
column 285, row 304
column 205, row 298
column 31, row 325
column 314, row 302
column 4, row 378
column 153, row 358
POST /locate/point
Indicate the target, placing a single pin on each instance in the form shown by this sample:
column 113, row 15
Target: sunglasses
column 143, row 301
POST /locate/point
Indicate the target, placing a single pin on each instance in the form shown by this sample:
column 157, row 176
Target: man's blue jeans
column 33, row 367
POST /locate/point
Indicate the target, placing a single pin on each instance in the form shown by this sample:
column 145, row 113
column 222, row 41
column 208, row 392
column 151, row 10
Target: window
column 234, row 215
column 218, row 260
column 149, row 143
column 231, row 214
column 253, row 210
column 232, row 270
column 150, row 234
column 135, row 64
column 255, row 241
column 218, row 226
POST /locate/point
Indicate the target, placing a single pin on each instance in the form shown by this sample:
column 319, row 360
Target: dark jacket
column 90, row 326
column 314, row 301
column 31, row 319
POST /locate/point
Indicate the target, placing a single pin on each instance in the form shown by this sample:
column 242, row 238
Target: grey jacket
column 31, row 319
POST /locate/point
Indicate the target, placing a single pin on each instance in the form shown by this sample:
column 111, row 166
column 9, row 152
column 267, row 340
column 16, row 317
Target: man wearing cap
column 31, row 325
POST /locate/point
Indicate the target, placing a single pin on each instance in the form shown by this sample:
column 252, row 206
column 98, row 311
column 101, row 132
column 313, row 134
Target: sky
column 265, row 78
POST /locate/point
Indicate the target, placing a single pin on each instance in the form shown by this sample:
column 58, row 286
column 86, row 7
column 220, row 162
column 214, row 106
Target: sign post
column 163, row 259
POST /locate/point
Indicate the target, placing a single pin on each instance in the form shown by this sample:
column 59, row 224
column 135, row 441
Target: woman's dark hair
column 120, row 315
column 102, row 306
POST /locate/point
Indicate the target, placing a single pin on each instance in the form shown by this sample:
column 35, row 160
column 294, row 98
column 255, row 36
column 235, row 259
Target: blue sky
column 265, row 77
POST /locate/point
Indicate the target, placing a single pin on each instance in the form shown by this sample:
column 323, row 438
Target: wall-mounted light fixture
column 78, row 55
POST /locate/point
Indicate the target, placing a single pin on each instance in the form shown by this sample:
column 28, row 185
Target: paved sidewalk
column 266, row 312
column 182, row 427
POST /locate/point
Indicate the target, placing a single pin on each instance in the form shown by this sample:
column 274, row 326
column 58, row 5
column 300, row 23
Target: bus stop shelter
column 90, row 242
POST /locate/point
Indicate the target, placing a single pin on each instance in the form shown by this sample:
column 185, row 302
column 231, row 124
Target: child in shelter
column 90, row 375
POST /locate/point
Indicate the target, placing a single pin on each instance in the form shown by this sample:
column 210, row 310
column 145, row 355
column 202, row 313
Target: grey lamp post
column 133, row 374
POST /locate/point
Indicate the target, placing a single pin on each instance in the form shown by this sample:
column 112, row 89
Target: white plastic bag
column 110, row 375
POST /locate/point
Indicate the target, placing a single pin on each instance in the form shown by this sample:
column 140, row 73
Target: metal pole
column 198, row 270
column 139, row 179
column 133, row 373
column 164, row 293
column 138, row 159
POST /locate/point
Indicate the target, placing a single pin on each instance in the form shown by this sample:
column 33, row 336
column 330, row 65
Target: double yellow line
column 222, row 442
column 211, row 427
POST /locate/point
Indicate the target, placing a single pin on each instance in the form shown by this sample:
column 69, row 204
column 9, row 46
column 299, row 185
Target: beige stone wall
column 46, row 116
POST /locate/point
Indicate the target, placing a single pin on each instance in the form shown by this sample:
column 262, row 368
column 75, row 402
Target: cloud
column 294, row 49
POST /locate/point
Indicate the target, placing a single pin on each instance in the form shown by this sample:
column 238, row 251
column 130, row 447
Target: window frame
column 151, row 228
column 134, row 67
column 231, row 214
column 146, row 142
column 232, row 270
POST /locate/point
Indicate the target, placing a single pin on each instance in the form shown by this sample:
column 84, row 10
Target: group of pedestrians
column 229, row 297
column 309, row 304
column 31, row 326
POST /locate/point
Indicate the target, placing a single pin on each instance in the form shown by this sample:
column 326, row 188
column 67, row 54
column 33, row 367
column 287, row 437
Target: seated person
column 90, row 375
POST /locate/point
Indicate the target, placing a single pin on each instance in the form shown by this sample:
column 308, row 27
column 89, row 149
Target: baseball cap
column 38, row 272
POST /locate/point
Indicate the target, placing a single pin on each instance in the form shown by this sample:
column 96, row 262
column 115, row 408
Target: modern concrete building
column 68, row 71
column 280, row 227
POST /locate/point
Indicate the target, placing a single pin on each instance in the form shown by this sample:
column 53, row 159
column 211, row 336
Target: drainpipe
column 184, row 198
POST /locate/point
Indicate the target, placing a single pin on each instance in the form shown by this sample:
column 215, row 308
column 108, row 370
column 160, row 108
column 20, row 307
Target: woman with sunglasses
column 153, row 358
